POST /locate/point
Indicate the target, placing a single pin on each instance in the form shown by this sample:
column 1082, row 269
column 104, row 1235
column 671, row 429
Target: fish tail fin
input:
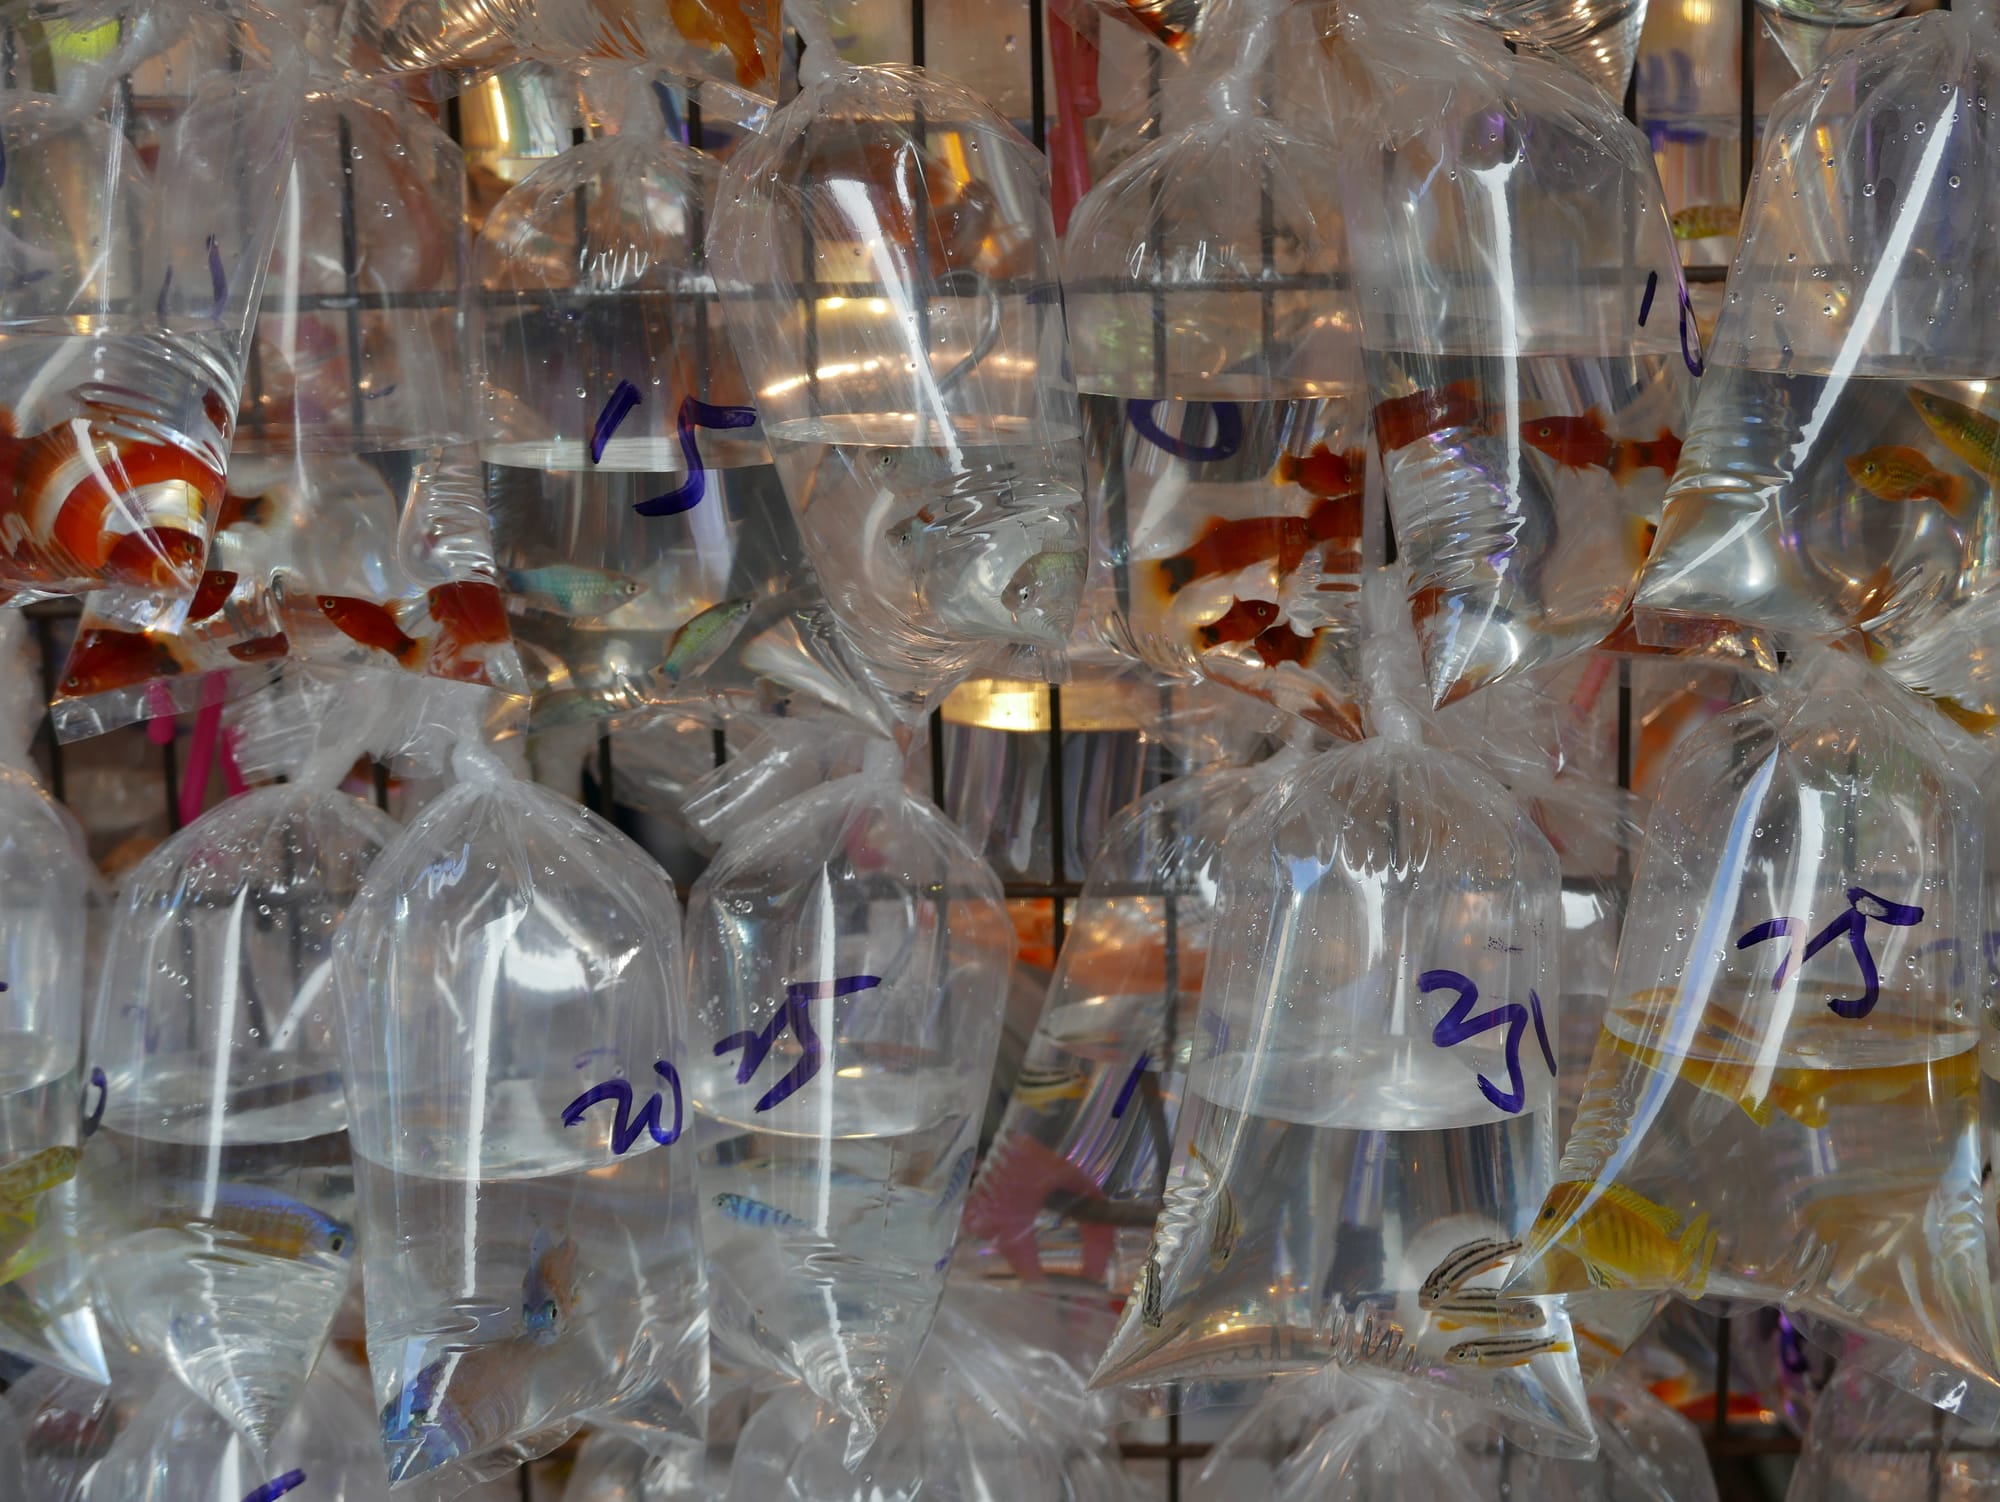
column 1758, row 1111
column 1697, row 1256
column 1176, row 573
column 1287, row 471
column 416, row 656
column 1958, row 498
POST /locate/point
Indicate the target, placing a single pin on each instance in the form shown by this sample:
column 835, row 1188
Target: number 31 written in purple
column 1459, row 1025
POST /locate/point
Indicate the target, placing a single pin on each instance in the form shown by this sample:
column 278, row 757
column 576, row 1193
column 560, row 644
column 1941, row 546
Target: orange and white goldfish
column 1582, row 443
column 1970, row 434
column 1226, row 546
column 722, row 23
column 1243, row 621
column 469, row 613
column 374, row 627
column 1402, row 420
column 1623, row 1239
column 1323, row 472
column 1894, row 472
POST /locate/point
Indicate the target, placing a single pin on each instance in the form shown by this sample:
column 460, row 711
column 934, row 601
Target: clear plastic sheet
column 46, row 889
column 1528, row 345
column 1839, row 467
column 1225, row 419
column 510, row 977
column 1783, row 1106
column 887, row 262
column 850, row 957
column 1371, row 1105
column 127, row 296
column 1871, row 1441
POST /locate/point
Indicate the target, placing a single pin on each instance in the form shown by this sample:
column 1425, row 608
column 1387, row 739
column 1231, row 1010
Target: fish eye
column 338, row 1243
column 1548, row 1212
column 1545, row 431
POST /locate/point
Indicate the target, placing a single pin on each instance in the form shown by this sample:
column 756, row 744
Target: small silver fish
column 1504, row 1350
column 1466, row 1262
column 704, row 638
column 1485, row 1306
column 571, row 589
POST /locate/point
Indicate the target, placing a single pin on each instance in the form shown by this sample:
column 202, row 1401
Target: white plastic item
column 510, row 979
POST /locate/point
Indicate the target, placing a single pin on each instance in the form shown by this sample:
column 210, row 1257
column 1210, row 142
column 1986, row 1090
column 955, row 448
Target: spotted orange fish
column 1582, row 443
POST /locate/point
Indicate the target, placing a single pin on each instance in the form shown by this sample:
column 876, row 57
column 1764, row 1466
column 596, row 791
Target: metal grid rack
column 1734, row 1448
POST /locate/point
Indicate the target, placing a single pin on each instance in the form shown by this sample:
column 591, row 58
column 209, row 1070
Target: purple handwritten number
column 1459, row 1025
column 1791, row 1350
column 270, row 1491
column 91, row 1119
column 1228, row 433
column 756, row 1043
column 617, row 407
column 1125, row 1091
column 217, row 281
column 626, row 1126
column 1862, row 905
column 1690, row 349
column 687, row 495
column 1646, row 303
column 1542, row 1031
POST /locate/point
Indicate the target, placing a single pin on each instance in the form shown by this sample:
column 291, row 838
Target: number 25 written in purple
column 693, row 414
column 1862, row 905
column 1458, row 1025
column 756, row 1043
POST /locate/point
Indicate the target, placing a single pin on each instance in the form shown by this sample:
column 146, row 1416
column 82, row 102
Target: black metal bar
column 45, row 640
column 1038, row 105
column 1746, row 147
column 1721, row 1422
column 1058, row 815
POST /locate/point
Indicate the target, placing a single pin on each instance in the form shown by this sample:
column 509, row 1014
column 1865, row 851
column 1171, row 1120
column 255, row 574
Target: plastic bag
column 1783, row 1106
column 1599, row 39
column 1224, row 421
column 1530, row 369
column 1323, row 1202
column 1807, row 30
column 1646, row 1453
column 67, row 1424
column 914, row 386
column 115, row 425
column 1066, row 1198
column 510, row 979
column 1838, row 470
column 46, row 887
column 850, row 957
column 218, row 1187
column 613, row 1469
column 1872, row 1441
column 638, row 521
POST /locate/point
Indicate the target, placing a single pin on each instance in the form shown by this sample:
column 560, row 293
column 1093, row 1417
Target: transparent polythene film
column 1217, row 345
column 1529, row 351
column 1351, row 1172
column 127, row 297
column 638, row 522
column 1840, row 465
column 46, row 887
column 510, row 977
column 1645, row 1453
column 1870, row 1439
column 218, row 1195
column 850, row 958
column 1784, row 1102
column 887, row 261
column 1067, row 1196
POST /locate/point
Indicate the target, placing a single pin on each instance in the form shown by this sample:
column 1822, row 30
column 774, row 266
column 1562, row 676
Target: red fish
column 216, row 587
column 68, row 479
column 1324, row 472
column 370, row 624
column 1582, row 443
column 1241, row 622
column 1283, row 644
column 1337, row 516
column 1402, row 420
column 104, row 659
column 155, row 558
column 1224, row 547
column 260, row 648
column 215, row 410
column 470, row 613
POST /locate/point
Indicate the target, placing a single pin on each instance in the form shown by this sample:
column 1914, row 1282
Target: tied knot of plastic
column 1392, row 671
column 821, row 58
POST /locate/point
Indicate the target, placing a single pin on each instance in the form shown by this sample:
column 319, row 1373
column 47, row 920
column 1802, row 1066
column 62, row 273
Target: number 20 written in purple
column 1459, row 1025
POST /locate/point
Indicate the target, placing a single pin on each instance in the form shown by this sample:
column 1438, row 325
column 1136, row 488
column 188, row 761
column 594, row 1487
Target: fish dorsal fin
column 1659, row 1217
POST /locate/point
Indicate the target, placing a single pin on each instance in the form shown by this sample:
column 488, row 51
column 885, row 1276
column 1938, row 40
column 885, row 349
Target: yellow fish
column 1969, row 433
column 1504, row 1350
column 1729, row 1080
column 1038, row 1089
column 1893, row 472
column 1624, row 1240
column 22, row 1184
column 1705, row 221
column 1955, row 1077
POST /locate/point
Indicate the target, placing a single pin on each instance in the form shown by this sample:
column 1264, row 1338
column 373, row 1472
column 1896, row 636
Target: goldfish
column 261, row 648
column 1894, row 472
column 1582, row 443
column 1623, row 1239
column 754, row 1212
column 1040, row 1088
column 1243, row 621
column 104, row 659
column 1323, row 472
column 70, row 480
column 469, row 613
column 1402, row 420
column 548, row 1291
column 1505, row 1350
column 1283, row 644
column 726, row 24
column 74, row 1433
column 273, row 1223
column 577, row 592
column 704, row 638
column 373, row 627
column 1705, row 221
column 216, row 586
column 1226, row 546
column 1970, row 434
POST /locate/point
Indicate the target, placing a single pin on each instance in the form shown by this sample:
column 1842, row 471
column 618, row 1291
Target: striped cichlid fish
column 753, row 1212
